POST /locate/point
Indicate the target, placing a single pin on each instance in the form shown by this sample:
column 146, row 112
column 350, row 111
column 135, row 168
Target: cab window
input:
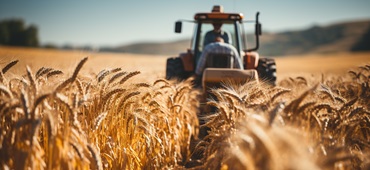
column 228, row 33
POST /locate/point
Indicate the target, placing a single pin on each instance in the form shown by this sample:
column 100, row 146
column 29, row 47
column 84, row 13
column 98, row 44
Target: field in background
column 66, row 111
column 331, row 63
column 152, row 66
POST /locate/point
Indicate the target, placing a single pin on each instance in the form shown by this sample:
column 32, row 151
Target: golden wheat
column 111, row 121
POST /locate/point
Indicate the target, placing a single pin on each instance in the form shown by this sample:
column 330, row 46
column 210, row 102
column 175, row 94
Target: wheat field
column 84, row 110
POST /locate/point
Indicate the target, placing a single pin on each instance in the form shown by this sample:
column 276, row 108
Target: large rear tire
column 267, row 70
column 174, row 69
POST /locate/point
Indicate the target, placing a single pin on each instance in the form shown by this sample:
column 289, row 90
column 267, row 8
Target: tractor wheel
column 174, row 68
column 267, row 70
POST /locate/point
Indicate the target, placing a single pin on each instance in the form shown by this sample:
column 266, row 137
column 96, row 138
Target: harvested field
column 83, row 110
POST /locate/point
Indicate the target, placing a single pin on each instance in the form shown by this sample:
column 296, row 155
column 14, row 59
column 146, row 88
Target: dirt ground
column 153, row 67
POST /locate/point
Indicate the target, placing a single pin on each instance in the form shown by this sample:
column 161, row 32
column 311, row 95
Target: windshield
column 228, row 31
column 208, row 33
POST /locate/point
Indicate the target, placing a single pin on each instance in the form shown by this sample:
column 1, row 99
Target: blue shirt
column 219, row 48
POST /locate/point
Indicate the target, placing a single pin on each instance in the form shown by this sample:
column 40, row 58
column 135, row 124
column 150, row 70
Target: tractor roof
column 218, row 14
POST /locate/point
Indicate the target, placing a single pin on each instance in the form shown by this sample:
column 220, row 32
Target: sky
column 100, row 23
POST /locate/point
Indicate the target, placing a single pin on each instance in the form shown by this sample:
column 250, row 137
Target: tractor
column 218, row 69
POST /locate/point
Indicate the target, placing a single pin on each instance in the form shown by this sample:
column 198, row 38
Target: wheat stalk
column 78, row 68
column 95, row 158
column 99, row 119
column 277, row 109
column 32, row 80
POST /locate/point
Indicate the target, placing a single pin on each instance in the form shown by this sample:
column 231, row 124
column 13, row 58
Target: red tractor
column 218, row 68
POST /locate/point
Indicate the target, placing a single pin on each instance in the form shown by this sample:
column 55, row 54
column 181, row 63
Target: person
column 216, row 32
column 219, row 47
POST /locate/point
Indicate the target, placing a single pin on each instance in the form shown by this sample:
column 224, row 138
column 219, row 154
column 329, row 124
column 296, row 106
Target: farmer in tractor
column 217, row 47
column 217, row 31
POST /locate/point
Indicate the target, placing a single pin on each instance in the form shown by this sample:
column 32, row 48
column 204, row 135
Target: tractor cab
column 229, row 26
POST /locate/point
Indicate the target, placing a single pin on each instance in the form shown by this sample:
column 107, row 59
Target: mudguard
column 188, row 61
column 251, row 60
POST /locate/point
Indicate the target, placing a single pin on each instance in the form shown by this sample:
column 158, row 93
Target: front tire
column 174, row 68
column 267, row 70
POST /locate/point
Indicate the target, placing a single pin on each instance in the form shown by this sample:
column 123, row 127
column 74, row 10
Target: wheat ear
column 42, row 72
column 129, row 76
column 78, row 68
column 53, row 73
column 6, row 91
column 8, row 66
column 32, row 80
column 116, row 76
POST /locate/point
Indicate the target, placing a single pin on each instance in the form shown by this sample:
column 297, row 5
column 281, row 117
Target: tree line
column 14, row 32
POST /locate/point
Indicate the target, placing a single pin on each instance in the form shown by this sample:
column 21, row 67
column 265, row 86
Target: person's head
column 217, row 26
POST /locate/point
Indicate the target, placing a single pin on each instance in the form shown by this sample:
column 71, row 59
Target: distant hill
column 166, row 48
column 318, row 39
column 346, row 36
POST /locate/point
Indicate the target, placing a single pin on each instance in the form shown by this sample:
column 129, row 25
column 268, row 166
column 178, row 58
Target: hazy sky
column 117, row 22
